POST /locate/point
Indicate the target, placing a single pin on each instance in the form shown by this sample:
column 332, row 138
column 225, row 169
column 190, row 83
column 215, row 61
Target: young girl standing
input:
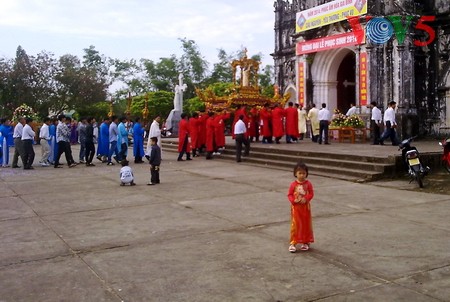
column 300, row 194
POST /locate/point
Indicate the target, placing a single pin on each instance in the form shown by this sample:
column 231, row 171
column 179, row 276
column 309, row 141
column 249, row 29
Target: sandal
column 304, row 247
column 292, row 248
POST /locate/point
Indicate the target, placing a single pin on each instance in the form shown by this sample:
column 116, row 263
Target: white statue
column 246, row 76
column 178, row 99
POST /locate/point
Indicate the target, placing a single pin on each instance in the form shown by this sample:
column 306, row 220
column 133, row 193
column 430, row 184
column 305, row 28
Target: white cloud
column 212, row 24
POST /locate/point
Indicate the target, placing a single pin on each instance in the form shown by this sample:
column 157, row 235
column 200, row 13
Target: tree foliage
column 51, row 85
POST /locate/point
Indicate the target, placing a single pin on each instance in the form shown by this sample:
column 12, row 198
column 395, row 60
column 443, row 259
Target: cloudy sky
column 134, row 29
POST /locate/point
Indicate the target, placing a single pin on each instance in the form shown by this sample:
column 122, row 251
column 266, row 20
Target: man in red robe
column 277, row 122
column 202, row 131
column 265, row 115
column 253, row 124
column 194, row 131
column 219, row 134
column 241, row 110
column 183, row 138
column 291, row 123
column 210, row 143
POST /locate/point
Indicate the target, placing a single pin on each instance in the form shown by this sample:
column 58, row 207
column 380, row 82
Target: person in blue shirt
column 4, row 134
column 122, row 139
column 138, row 141
column 103, row 141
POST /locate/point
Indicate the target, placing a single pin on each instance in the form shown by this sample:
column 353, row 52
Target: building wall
column 417, row 78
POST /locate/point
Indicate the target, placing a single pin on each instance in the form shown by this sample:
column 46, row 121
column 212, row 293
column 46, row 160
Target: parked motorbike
column 446, row 156
column 410, row 156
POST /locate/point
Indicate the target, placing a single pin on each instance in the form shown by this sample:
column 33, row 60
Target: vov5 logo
column 379, row 30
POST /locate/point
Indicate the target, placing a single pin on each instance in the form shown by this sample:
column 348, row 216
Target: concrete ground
column 214, row 231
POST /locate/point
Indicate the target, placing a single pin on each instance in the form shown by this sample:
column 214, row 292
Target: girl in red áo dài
column 300, row 194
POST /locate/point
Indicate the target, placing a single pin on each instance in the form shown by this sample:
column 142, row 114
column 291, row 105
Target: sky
column 135, row 29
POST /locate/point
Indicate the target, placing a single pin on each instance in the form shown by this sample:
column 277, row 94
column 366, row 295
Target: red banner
column 301, row 83
column 335, row 41
column 363, row 79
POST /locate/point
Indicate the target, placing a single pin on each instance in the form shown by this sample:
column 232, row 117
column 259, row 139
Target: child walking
column 155, row 161
column 126, row 174
column 300, row 194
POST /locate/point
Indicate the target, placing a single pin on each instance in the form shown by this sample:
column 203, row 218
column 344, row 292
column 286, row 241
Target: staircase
column 351, row 167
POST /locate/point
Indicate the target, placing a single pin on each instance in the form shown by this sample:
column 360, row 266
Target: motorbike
column 446, row 156
column 410, row 156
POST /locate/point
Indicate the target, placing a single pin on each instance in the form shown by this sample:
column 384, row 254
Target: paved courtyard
column 214, row 231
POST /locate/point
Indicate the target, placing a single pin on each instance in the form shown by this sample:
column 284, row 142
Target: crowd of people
column 200, row 133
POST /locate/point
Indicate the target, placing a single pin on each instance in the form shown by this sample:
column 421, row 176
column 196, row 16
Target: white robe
column 301, row 120
column 154, row 131
column 313, row 116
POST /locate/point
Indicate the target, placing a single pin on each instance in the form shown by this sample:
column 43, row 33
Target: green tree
column 159, row 103
column 162, row 75
column 222, row 71
column 193, row 66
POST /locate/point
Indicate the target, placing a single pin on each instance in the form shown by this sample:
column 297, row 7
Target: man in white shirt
column 240, row 132
column 390, row 125
column 352, row 110
column 375, row 123
column 44, row 136
column 18, row 148
column 324, row 121
column 27, row 143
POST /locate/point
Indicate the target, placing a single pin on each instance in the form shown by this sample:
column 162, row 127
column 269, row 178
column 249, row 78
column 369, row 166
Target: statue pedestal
column 172, row 121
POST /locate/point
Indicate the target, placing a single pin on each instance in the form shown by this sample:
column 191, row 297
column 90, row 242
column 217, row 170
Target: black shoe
column 381, row 143
column 15, row 167
column 117, row 161
column 327, row 143
column 188, row 158
column 151, row 184
column 180, row 159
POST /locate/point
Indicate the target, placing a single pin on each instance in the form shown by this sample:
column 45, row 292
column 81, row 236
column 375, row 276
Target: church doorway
column 346, row 84
column 333, row 75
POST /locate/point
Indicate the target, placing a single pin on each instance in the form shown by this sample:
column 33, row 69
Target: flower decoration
column 24, row 111
column 354, row 121
column 338, row 119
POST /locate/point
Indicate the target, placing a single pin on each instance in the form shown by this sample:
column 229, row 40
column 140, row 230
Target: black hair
column 300, row 166
column 61, row 117
column 124, row 163
column 28, row 120
column 46, row 119
column 122, row 119
column 374, row 103
column 154, row 139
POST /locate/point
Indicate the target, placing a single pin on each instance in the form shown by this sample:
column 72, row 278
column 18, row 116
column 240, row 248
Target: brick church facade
column 389, row 50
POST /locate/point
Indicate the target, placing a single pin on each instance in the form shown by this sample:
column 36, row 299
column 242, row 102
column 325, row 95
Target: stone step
column 357, row 163
column 360, row 168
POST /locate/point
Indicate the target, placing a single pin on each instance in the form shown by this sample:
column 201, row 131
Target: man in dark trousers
column 240, row 132
column 155, row 161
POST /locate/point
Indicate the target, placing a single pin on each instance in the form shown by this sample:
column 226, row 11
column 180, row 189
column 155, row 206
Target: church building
column 343, row 52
